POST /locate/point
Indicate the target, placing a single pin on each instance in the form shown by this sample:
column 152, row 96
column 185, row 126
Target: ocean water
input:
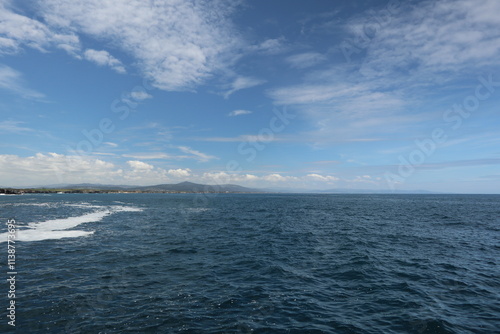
column 253, row 263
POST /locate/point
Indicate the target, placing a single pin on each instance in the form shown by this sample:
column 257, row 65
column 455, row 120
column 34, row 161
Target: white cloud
column 266, row 180
column 249, row 177
column 202, row 157
column 225, row 178
column 242, row 83
column 103, row 58
column 218, row 177
column 271, row 46
column 140, row 95
column 179, row 172
column 144, row 172
column 239, row 112
column 305, row 60
column 18, row 30
column 278, row 178
column 11, row 80
column 326, row 178
column 176, row 44
column 139, row 165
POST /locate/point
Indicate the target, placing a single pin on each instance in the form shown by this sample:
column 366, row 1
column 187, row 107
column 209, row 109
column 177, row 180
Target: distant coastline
column 179, row 188
column 15, row 191
column 190, row 188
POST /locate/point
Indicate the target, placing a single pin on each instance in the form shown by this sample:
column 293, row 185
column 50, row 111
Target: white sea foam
column 37, row 235
column 48, row 205
column 84, row 205
column 57, row 228
column 70, row 222
column 117, row 208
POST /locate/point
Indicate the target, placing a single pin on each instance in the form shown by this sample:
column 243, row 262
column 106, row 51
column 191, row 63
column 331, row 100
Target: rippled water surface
column 229, row 263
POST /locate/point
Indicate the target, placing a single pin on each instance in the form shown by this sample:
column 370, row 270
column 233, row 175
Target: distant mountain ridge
column 178, row 187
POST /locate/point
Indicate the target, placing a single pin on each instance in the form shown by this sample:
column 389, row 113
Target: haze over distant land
column 376, row 96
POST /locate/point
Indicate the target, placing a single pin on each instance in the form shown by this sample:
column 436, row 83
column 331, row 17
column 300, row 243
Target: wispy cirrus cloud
column 149, row 156
column 189, row 153
column 103, row 58
column 14, row 127
column 202, row 157
column 12, row 81
column 305, row 60
column 343, row 112
column 242, row 82
column 271, row 46
column 239, row 112
column 433, row 41
column 423, row 46
column 240, row 138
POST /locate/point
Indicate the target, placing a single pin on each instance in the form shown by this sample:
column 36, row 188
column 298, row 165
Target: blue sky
column 311, row 95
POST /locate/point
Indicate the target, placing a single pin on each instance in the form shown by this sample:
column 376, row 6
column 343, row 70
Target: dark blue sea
column 253, row 263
